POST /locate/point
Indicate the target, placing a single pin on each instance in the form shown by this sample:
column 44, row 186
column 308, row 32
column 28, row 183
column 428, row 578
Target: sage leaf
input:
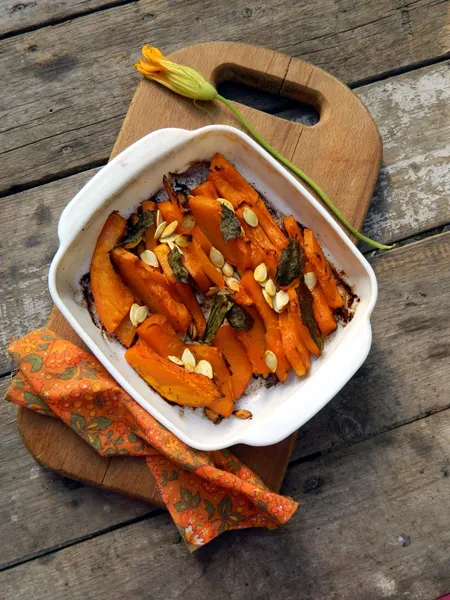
column 179, row 270
column 216, row 317
column 230, row 226
column 138, row 230
column 291, row 263
column 306, row 309
column 239, row 318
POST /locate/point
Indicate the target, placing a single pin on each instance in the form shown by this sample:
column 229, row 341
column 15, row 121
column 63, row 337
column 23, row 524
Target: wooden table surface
column 372, row 470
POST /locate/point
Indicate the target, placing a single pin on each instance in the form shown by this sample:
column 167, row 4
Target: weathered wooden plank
column 40, row 510
column 374, row 523
column 68, row 86
column 412, row 113
column 28, row 243
column 407, row 372
column 18, row 16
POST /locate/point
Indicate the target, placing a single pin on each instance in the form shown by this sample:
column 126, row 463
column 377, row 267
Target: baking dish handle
column 110, row 179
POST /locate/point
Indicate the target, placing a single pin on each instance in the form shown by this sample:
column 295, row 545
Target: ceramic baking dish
column 135, row 175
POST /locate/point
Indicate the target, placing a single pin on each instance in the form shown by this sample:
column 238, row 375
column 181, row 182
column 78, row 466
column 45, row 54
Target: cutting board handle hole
column 257, row 90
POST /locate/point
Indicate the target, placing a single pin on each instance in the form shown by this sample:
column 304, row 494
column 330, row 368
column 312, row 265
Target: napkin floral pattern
column 205, row 492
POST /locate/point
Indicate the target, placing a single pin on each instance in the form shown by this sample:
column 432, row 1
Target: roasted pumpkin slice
column 208, row 215
column 322, row 270
column 152, row 288
column 222, row 377
column 126, row 331
column 254, row 342
column 232, row 186
column 183, row 291
column 270, row 318
column 207, row 188
column 236, row 356
column 158, row 333
column 172, row 382
column 112, row 298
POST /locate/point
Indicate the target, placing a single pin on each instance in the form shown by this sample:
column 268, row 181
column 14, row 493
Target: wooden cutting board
column 342, row 152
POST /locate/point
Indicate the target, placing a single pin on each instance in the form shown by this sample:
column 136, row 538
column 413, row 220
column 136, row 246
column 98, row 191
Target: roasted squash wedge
column 152, row 288
column 322, row 270
column 208, row 214
column 172, row 382
column 254, row 342
column 112, row 298
column 183, row 291
column 232, row 186
column 207, row 188
column 236, row 357
column 222, row 377
column 126, row 331
column 270, row 318
column 158, row 333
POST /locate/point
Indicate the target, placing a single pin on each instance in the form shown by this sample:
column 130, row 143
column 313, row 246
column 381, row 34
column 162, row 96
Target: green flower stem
column 302, row 175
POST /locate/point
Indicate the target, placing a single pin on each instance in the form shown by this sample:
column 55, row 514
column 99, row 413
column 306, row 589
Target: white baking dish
column 136, row 174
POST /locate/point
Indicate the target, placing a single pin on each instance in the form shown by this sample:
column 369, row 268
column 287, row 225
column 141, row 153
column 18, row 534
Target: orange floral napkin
column 205, row 492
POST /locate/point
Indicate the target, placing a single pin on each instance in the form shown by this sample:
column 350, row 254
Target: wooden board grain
column 410, row 198
column 373, row 523
column 75, row 80
column 346, row 135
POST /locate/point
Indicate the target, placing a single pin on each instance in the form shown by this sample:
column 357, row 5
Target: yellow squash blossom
column 178, row 78
column 188, row 82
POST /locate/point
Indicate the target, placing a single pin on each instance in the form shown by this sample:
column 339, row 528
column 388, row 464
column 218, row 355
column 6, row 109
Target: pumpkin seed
column 193, row 331
column 141, row 314
column 216, row 257
column 189, row 222
column 310, row 280
column 133, row 310
column 250, row 217
column 188, row 359
column 212, row 290
column 226, row 203
column 260, row 273
column 268, row 298
column 169, row 229
column 233, row 283
column 242, row 413
column 213, row 416
column 280, row 301
column 270, row 287
column 149, row 258
column 183, row 240
column 160, row 229
column 159, row 218
column 176, row 360
column 271, row 361
column 203, row 367
column 228, row 270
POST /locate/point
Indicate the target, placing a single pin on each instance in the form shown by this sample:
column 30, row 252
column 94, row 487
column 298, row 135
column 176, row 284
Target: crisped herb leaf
column 179, row 270
column 291, row 263
column 229, row 224
column 139, row 228
column 239, row 318
column 306, row 301
column 217, row 315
